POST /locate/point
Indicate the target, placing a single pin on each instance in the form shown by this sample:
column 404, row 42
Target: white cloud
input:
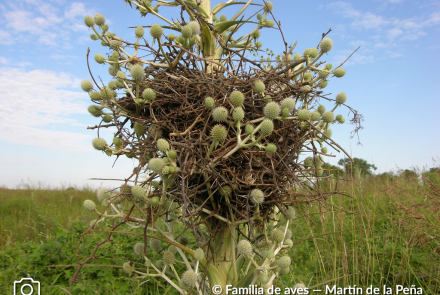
column 393, row 33
column 23, row 160
column 5, row 38
column 37, row 106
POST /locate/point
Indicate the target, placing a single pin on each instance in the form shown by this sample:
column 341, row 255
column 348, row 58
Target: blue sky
column 392, row 81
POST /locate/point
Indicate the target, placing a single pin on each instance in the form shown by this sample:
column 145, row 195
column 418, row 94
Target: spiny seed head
column 238, row 114
column 186, row 32
column 199, row 254
column 284, row 262
column 288, row 242
column 323, row 84
column 88, row 20
column 102, row 194
column 220, row 114
column 312, row 52
column 288, row 103
column 195, row 27
column 321, row 109
column 113, row 70
column 89, row 205
column 308, row 162
column 223, row 18
column 249, row 129
column 259, row 86
column 266, row 127
column 263, row 278
column 137, row 73
column 316, row 116
column 99, row 144
column 139, row 32
column 303, row 115
column 156, row 165
column 149, row 94
column 165, row 170
column 168, row 258
column 139, row 129
column 139, row 249
column 95, row 111
column 154, row 201
column 118, row 142
column 115, row 43
column 341, row 97
column 285, row 112
column 121, row 75
column 284, row 271
column 319, row 172
column 218, row 133
column 339, row 72
column 299, row 286
column 256, row 34
column 271, row 148
column 340, row 119
column 326, row 45
column 236, row 98
column 147, row 263
column 171, row 37
column 258, row 44
column 244, row 248
column 189, row 278
column 104, row 27
column 308, row 76
column 297, row 56
column 288, row 233
column 277, row 235
column 156, row 31
column 99, row 58
column 163, row 145
column 328, row 117
column 95, row 95
column 160, row 264
column 184, row 240
column 259, row 16
column 99, row 19
column 268, row 6
column 270, row 254
column 138, row 192
column 328, row 132
column 128, row 268
column 155, row 244
column 111, row 85
column 257, row 196
column 269, row 23
column 328, row 66
column 272, row 110
column 209, row 103
column 225, row 191
column 324, row 149
column 290, row 213
column 172, row 155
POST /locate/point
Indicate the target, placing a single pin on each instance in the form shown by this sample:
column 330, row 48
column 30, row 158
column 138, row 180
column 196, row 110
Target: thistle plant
column 219, row 137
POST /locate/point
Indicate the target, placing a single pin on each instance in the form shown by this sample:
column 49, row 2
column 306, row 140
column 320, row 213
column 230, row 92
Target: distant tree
column 360, row 163
column 408, row 174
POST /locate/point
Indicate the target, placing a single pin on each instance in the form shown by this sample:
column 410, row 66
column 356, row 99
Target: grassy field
column 388, row 233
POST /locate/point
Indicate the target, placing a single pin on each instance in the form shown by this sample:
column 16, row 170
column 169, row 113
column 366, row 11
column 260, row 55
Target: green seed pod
column 263, row 278
column 166, row 170
column 195, row 27
column 186, row 32
column 155, row 184
column 285, row 112
column 104, row 27
column 199, row 254
column 319, row 172
column 256, row 34
column 266, row 127
column 328, row 132
column 328, row 117
column 156, row 165
column 244, row 248
column 189, row 278
column 180, row 40
column 259, row 16
column 306, row 88
column 111, row 85
column 272, row 110
column 277, row 235
column 139, row 249
column 236, row 98
column 139, row 129
column 324, row 150
column 297, row 56
column 171, row 37
column 137, row 73
column 103, row 43
column 209, row 103
column 249, row 129
column 99, row 144
column 168, row 258
column 88, row 20
column 288, row 103
column 339, row 72
column 259, row 86
column 268, row 7
column 340, row 119
column 326, row 45
column 155, row 245
column 113, row 70
column 284, row 271
column 308, row 76
column 156, row 31
column 102, row 194
column 118, row 142
column 126, row 190
column 284, row 262
column 147, row 263
column 238, row 114
column 86, row 85
column 121, row 75
column 128, row 267
column 95, row 95
column 269, row 23
column 312, row 52
column 270, row 254
column 223, row 18
column 218, row 133
column 149, row 94
column 138, row 192
column 172, row 155
column 328, row 66
column 116, row 43
column 89, row 205
column 225, row 191
column 323, row 84
column 315, row 116
column 303, row 115
column 257, row 196
column 220, row 114
column 308, row 162
column 154, row 201
column 290, row 213
column 139, row 32
column 99, row 19
column 160, row 264
column 163, row 145
column 258, row 44
column 321, row 109
column 271, row 148
column 184, row 240
column 341, row 97
column 95, row 111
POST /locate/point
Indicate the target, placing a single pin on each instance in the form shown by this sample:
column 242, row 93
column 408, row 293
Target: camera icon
column 26, row 286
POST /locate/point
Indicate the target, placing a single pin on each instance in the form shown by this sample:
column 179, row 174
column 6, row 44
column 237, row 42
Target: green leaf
column 220, row 6
column 196, row 7
column 223, row 26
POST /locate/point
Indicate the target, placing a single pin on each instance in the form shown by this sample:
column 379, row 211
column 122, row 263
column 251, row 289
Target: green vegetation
column 387, row 235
